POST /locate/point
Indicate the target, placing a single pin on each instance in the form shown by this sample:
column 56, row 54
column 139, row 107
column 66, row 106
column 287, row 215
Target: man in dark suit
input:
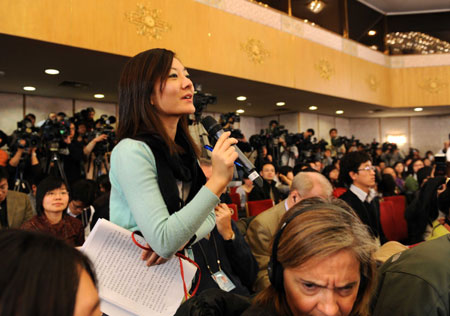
column 15, row 207
column 357, row 172
column 264, row 226
column 269, row 190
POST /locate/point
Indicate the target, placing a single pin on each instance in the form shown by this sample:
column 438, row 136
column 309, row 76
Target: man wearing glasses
column 358, row 174
column 15, row 207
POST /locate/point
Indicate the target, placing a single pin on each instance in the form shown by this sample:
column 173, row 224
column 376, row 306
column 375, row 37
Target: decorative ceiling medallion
column 255, row 50
column 324, row 68
column 372, row 82
column 148, row 21
column 433, row 85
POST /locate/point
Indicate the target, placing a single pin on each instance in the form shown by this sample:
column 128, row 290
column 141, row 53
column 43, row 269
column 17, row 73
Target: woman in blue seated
column 157, row 186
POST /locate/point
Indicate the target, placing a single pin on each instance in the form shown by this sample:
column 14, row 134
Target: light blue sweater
column 136, row 202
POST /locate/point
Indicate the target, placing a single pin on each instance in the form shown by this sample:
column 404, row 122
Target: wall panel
column 11, row 111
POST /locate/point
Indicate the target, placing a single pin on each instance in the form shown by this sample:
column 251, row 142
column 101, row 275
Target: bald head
column 311, row 184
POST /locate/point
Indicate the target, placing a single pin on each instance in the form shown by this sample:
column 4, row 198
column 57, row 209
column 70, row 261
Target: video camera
column 104, row 127
column 201, row 100
column 26, row 132
column 54, row 132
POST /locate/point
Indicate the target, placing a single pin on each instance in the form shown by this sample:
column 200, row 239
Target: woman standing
column 157, row 186
column 52, row 199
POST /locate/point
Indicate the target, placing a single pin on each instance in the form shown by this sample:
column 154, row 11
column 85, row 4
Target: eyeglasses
column 368, row 168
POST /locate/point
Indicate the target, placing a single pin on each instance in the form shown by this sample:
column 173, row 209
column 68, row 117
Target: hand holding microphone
column 216, row 131
column 223, row 157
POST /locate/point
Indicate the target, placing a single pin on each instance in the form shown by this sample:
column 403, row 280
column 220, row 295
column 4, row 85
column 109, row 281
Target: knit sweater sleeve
column 136, row 202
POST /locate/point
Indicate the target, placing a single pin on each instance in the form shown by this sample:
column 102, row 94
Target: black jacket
column 368, row 213
column 236, row 260
column 263, row 193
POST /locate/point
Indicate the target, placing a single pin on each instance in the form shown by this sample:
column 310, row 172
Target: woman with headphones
column 322, row 263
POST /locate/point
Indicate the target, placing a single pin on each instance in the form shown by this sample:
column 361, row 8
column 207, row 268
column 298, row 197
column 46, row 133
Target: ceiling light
column 418, row 109
column 339, row 112
column 371, row 111
column 375, row 47
column 99, row 96
column 51, row 71
column 281, row 103
column 372, row 32
column 316, row 6
column 241, row 98
column 313, row 108
column 240, row 111
column 29, row 88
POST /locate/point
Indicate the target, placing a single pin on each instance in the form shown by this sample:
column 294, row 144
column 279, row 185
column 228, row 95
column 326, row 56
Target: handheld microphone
column 215, row 130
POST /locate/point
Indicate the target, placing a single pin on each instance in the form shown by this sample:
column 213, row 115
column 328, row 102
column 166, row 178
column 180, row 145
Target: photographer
column 24, row 164
column 100, row 145
column 289, row 152
column 336, row 145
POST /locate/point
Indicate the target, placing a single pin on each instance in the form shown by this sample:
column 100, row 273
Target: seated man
column 415, row 282
column 82, row 196
column 358, row 174
column 15, row 207
column 262, row 229
column 269, row 190
column 225, row 259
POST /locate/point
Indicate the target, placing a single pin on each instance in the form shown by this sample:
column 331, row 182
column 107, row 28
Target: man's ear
column 352, row 175
column 295, row 196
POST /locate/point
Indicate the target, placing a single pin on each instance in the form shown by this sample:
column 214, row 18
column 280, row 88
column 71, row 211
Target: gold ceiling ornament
column 325, row 69
column 433, row 85
column 372, row 82
column 255, row 50
column 148, row 21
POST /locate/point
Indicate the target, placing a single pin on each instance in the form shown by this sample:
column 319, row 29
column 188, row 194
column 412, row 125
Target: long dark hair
column 48, row 184
column 137, row 83
column 39, row 274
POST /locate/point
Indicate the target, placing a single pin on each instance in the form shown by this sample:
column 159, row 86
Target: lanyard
column 180, row 256
column 217, row 255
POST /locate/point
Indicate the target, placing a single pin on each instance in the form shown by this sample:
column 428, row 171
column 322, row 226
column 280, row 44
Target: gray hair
column 304, row 182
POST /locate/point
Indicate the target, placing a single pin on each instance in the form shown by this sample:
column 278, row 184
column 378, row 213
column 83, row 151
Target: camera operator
column 24, row 164
column 289, row 152
column 336, row 144
column 101, row 143
column 391, row 154
column 62, row 151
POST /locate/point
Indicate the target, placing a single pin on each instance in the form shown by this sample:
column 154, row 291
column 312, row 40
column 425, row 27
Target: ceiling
column 97, row 72
column 392, row 7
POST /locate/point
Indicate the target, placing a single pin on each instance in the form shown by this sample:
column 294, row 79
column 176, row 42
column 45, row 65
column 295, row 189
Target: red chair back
column 233, row 189
column 235, row 215
column 338, row 192
column 387, row 220
column 236, row 199
column 399, row 206
column 254, row 208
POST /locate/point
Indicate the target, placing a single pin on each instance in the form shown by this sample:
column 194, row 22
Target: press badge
column 223, row 281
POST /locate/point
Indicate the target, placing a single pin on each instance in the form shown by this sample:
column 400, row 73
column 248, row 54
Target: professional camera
column 54, row 132
column 228, row 119
column 25, row 131
column 104, row 127
column 201, row 100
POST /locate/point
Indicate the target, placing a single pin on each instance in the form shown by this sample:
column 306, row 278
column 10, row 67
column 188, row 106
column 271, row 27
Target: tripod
column 99, row 161
column 56, row 160
column 20, row 185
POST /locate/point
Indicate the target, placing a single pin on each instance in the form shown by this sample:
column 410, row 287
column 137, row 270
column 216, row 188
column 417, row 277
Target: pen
column 211, row 149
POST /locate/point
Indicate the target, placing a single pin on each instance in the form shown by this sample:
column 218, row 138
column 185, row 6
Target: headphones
column 275, row 269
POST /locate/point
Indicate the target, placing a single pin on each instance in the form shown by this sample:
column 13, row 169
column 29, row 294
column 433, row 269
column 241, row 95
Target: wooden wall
column 210, row 39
